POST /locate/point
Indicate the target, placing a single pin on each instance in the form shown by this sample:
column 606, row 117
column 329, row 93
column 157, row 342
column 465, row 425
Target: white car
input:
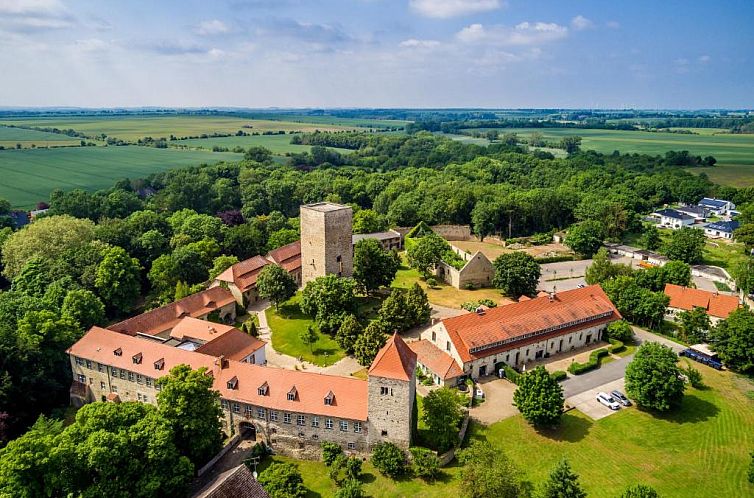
column 608, row 401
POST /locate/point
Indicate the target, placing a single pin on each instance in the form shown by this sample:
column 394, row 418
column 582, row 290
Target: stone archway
column 247, row 430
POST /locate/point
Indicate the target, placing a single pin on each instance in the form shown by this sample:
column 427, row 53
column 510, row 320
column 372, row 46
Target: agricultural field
column 30, row 175
column 734, row 153
column 280, row 145
column 9, row 137
column 131, row 128
column 710, row 436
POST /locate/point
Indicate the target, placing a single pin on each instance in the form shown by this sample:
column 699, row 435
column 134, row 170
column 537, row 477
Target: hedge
column 555, row 259
column 594, row 362
column 616, row 346
column 511, row 374
column 559, row 375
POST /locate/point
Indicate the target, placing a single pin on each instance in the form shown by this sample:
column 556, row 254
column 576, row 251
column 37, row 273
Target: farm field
column 135, row 127
column 278, row 144
column 30, row 175
column 734, row 153
column 710, row 436
column 9, row 137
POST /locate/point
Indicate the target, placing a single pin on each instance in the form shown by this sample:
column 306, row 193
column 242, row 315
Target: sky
column 667, row 54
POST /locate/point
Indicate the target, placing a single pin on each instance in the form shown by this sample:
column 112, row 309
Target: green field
column 734, row 153
column 9, row 137
column 30, row 175
column 135, row 127
column 701, row 450
column 278, row 144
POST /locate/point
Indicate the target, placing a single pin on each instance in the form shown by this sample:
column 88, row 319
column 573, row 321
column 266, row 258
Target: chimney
column 221, row 362
column 552, row 296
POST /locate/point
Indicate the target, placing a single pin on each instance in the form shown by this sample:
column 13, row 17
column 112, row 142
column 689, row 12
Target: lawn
column 286, row 325
column 30, row 175
column 9, row 137
column 701, row 450
column 443, row 294
column 279, row 144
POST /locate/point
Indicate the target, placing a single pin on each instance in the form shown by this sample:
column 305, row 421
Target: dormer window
column 292, row 394
column 159, row 364
column 233, row 383
column 330, row 398
column 136, row 358
column 118, row 352
column 263, row 389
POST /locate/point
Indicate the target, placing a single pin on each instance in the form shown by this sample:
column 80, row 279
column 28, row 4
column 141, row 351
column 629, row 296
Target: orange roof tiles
column 394, row 361
column 162, row 319
column 437, row 360
column 536, row 315
column 716, row 304
column 350, row 393
column 287, row 256
column 201, row 330
column 234, row 345
column 244, row 274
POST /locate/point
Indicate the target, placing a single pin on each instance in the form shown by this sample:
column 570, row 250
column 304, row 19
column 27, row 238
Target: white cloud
column 212, row 27
column 444, row 9
column 414, row 43
column 613, row 24
column 30, row 7
column 525, row 33
column 33, row 15
column 704, row 59
column 581, row 23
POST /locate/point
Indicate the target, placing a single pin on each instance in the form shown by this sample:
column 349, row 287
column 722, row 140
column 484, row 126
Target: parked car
column 608, row 401
column 620, row 398
column 478, row 393
column 463, row 387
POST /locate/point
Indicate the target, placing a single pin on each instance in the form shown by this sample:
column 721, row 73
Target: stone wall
column 391, row 403
column 326, row 245
column 453, row 232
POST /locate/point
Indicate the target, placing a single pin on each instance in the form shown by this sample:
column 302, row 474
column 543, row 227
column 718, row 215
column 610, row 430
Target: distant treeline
column 342, row 140
column 458, row 126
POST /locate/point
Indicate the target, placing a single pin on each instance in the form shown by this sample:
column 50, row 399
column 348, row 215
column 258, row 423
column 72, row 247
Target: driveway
column 609, row 372
column 586, row 402
column 567, row 275
column 498, row 401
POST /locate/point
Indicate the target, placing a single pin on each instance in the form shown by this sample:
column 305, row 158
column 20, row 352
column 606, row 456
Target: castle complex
column 326, row 240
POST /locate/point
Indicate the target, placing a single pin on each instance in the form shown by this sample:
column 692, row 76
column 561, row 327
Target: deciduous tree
column 487, row 472
column 685, row 245
column 516, row 274
column 275, row 284
column 653, row 378
column 348, row 333
column 373, row 267
column 733, row 339
column 585, row 237
column 84, row 307
column 443, row 413
column 370, row 342
column 118, row 279
column 426, row 253
column 283, row 480
column 389, row 459
column 539, row 398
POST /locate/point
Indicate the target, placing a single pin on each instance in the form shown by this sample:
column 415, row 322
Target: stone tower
column 326, row 240
column 392, row 390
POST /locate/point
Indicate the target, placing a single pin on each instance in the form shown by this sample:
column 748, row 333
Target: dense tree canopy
column 653, row 379
column 442, row 413
column 516, row 274
column 373, row 266
column 539, row 398
column 275, row 284
column 733, row 339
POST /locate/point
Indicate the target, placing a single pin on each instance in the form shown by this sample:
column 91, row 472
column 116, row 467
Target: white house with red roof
column 517, row 333
column 717, row 306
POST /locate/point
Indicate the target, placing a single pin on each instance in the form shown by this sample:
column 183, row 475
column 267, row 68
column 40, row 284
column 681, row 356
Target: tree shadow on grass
column 571, row 429
column 693, row 409
column 367, row 477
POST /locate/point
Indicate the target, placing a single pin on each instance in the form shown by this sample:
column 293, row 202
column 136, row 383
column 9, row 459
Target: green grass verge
column 287, row 323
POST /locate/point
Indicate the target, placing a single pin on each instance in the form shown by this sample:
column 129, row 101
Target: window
column 144, row 398
column 233, row 383
column 136, row 358
column 291, row 397
column 447, row 345
column 118, row 352
column 263, row 389
column 328, row 423
column 89, row 364
column 148, row 381
column 351, row 446
column 224, row 404
column 236, row 408
column 384, row 433
column 159, row 364
column 101, row 385
column 286, row 418
column 300, row 420
column 261, row 413
column 114, row 389
column 343, row 425
column 434, row 336
column 357, row 427
column 330, row 398
column 248, row 411
column 114, row 372
column 386, row 391
column 273, row 416
column 315, row 421
column 130, row 376
column 82, row 378
column 139, row 379
column 138, row 396
column 123, row 374
column 100, row 367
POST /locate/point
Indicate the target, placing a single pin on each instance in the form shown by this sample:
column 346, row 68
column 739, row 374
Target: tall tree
column 562, row 483
column 188, row 402
column 83, row 306
column 686, row 244
column 539, row 398
column 220, row 264
column 118, row 279
column 283, row 480
column 487, row 472
column 426, row 253
column 348, row 333
column 653, row 378
column 733, row 339
column 694, row 324
column 373, row 266
column 585, row 237
column 417, row 305
column 369, row 343
column 442, row 412
column 327, row 299
column 275, row 284
column 484, row 219
column 640, row 491
column 368, row 221
column 650, row 239
column 309, row 336
column 516, row 274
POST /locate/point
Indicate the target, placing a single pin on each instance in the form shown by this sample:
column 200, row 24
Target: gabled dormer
column 293, row 394
column 136, row 358
column 233, row 383
column 330, row 398
column 118, row 352
column 264, row 389
column 159, row 364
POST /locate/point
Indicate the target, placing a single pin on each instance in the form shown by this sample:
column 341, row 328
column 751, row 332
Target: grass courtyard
column 701, row 450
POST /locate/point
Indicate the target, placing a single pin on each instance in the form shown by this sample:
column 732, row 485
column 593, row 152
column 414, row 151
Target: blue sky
column 378, row 53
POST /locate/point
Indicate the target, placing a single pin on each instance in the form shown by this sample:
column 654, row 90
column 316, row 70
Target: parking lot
column 586, row 402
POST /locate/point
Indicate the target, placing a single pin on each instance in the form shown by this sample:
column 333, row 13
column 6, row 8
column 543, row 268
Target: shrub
column 554, row 259
column 259, row 450
column 431, row 282
column 469, row 286
column 425, row 463
column 620, row 331
column 694, row 376
column 594, row 362
column 389, row 459
column 616, row 346
column 511, row 374
column 488, row 302
column 330, row 451
column 559, row 375
column 350, row 488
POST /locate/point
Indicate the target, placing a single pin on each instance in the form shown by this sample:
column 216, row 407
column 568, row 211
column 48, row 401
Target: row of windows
column 261, row 413
column 117, row 373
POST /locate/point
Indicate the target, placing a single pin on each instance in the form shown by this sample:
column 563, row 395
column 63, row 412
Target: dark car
column 620, row 398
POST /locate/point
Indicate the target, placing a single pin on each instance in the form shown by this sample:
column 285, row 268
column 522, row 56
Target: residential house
column 674, row 219
column 517, row 333
column 718, row 306
column 698, row 212
column 720, row 207
column 721, row 229
column 389, row 240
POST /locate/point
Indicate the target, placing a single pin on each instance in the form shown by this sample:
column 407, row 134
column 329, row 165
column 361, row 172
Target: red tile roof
column 394, row 361
column 234, row 345
column 238, row 482
column 244, row 274
column 288, row 256
column 568, row 309
column 716, row 304
column 202, row 330
column 165, row 318
column 350, row 393
column 437, row 360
